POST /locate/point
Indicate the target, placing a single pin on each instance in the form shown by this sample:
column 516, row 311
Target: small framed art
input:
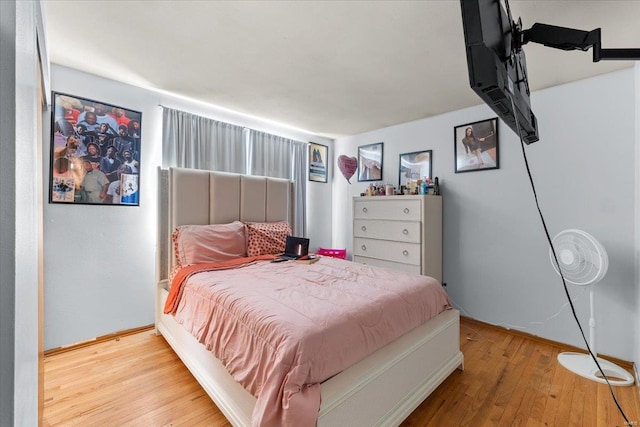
column 414, row 166
column 95, row 152
column 370, row 159
column 318, row 162
column 476, row 146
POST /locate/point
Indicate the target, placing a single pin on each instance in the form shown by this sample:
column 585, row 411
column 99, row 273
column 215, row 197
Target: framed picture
column 414, row 166
column 476, row 146
column 95, row 152
column 370, row 162
column 318, row 162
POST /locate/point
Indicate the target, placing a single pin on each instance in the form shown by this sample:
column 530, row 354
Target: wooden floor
column 509, row 380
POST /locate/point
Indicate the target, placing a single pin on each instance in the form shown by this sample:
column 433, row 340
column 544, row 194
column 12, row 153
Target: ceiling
column 332, row 68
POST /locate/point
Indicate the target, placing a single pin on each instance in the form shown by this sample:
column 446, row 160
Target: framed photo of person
column 476, row 146
column 370, row 162
column 318, row 162
column 95, row 152
column 414, row 166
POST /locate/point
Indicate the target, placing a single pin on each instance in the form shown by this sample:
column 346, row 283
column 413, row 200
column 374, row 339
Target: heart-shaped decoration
column 348, row 166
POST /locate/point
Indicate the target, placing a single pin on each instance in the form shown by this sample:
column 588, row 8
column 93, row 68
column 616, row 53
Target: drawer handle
column 405, row 231
column 364, row 248
column 405, row 252
column 406, row 210
column 364, row 210
column 363, row 228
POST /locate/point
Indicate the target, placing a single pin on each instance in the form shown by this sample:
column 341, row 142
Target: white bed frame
column 380, row 390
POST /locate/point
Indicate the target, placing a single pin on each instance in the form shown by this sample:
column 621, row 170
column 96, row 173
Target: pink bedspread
column 283, row 328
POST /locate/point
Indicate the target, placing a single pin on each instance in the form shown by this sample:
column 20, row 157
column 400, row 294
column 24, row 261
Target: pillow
column 173, row 272
column 267, row 238
column 197, row 244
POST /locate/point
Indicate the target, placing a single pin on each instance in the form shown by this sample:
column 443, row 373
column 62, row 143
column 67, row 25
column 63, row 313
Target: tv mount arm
column 571, row 39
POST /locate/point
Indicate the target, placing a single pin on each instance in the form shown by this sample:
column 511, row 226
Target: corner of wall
column 636, row 89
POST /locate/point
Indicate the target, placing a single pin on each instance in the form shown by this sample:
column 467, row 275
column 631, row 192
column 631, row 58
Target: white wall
column 637, row 214
column 495, row 255
column 100, row 260
column 19, row 109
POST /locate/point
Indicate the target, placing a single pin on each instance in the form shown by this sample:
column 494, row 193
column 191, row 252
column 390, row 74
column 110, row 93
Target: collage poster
column 95, row 152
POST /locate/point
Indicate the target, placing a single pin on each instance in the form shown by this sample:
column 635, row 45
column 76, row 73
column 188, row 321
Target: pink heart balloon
column 347, row 165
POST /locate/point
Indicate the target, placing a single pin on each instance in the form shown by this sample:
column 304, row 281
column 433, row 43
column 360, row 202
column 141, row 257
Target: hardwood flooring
column 509, row 380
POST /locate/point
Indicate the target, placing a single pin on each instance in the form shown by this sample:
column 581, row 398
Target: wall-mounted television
column 497, row 66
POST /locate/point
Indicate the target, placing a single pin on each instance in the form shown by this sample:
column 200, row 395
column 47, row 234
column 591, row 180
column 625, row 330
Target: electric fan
column 583, row 261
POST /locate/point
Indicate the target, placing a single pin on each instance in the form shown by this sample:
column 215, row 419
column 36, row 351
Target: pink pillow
column 197, row 244
column 267, row 238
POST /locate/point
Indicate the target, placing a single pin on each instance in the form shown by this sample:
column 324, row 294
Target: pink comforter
column 283, row 328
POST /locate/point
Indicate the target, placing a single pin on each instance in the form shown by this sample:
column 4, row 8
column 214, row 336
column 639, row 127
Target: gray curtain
column 191, row 141
column 275, row 156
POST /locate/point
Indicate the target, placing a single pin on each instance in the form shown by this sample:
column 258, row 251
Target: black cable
column 555, row 258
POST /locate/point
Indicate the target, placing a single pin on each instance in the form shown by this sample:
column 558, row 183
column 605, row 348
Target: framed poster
column 318, row 162
column 95, row 152
column 476, row 146
column 370, row 162
column 414, row 166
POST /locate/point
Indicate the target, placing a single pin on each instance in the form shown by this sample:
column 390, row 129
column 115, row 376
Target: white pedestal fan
column 584, row 261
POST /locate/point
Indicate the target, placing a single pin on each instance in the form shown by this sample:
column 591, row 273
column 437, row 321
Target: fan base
column 583, row 365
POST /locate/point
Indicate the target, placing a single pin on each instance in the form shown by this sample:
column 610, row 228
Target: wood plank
column 509, row 380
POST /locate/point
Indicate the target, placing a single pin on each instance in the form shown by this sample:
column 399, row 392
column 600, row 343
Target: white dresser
column 400, row 232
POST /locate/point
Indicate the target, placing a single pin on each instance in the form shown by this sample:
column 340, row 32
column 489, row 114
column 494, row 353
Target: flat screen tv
column 497, row 66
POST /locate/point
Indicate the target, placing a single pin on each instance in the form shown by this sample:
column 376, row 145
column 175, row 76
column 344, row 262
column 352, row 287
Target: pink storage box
column 334, row 253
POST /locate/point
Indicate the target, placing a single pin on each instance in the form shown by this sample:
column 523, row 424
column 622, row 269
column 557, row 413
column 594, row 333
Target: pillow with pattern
column 266, row 238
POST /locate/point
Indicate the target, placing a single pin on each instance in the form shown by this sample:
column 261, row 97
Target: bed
column 381, row 389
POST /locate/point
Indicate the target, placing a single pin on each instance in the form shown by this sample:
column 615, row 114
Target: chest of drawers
column 400, row 232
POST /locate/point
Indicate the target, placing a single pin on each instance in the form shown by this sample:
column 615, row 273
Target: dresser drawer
column 409, row 268
column 401, row 231
column 387, row 209
column 407, row 253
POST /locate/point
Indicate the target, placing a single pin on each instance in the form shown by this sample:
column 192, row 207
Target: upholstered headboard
column 192, row 196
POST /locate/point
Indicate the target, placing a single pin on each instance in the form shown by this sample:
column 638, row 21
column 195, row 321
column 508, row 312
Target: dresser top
column 399, row 197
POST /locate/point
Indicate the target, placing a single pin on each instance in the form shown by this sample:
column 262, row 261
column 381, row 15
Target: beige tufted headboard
column 192, row 196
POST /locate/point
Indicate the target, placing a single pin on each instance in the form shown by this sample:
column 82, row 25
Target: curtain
column 191, row 141
column 275, row 156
